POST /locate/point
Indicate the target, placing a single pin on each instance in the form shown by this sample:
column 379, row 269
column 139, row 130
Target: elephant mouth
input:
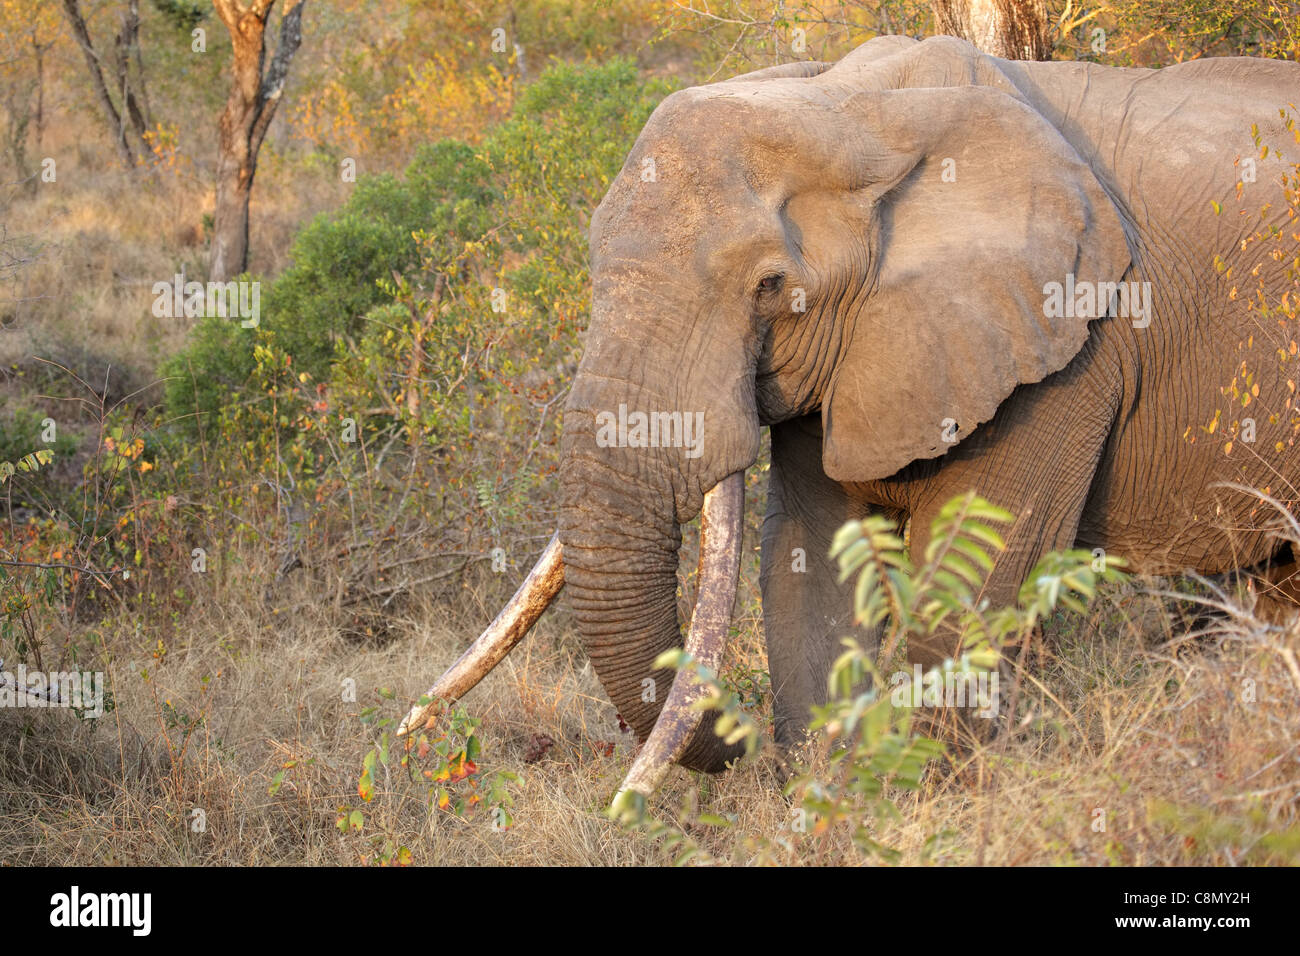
column 719, row 571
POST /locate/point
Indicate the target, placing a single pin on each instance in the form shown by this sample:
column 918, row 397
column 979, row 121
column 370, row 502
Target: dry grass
column 98, row 238
column 1122, row 717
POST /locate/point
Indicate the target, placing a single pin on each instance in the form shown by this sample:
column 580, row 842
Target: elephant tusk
column 506, row 630
column 720, row 530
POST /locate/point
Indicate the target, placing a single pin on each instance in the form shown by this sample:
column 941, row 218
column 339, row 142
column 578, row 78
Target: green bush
column 209, row 372
column 20, row 434
column 457, row 209
column 337, row 260
column 321, row 298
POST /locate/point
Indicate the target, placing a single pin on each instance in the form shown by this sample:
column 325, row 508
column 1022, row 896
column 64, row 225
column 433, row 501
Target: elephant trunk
column 623, row 496
column 621, row 540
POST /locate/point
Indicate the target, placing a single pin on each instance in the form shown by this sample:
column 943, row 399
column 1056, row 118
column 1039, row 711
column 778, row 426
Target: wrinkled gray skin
column 924, row 302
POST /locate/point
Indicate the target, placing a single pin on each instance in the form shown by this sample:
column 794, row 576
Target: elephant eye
column 770, row 283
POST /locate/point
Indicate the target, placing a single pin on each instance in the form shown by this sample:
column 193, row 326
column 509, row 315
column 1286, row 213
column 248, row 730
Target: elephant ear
column 981, row 205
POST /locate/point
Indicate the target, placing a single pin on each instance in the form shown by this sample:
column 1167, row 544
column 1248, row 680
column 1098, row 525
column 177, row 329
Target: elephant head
column 869, row 239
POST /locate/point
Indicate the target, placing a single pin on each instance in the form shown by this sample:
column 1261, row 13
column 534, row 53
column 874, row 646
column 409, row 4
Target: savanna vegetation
column 271, row 530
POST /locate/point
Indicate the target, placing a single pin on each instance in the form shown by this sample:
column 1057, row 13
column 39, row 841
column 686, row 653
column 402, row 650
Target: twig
column 61, row 567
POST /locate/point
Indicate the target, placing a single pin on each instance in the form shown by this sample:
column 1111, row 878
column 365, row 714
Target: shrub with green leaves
column 21, row 431
column 318, row 303
column 436, row 770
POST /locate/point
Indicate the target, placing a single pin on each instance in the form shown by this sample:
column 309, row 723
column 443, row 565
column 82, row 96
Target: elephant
column 925, row 270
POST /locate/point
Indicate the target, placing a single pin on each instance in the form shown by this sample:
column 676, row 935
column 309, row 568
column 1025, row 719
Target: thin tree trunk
column 72, row 11
column 16, row 133
column 421, row 326
column 39, row 51
column 1011, row 29
column 139, row 68
column 127, row 42
column 250, row 107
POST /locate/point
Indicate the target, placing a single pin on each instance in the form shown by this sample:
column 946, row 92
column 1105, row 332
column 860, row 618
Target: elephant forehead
column 709, row 162
column 665, row 208
column 651, row 219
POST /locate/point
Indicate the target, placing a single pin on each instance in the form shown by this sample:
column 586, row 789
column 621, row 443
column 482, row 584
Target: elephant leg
column 805, row 611
column 1037, row 458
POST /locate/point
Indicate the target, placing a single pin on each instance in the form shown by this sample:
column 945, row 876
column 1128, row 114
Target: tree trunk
column 19, row 116
column 81, row 33
column 126, row 42
column 38, row 50
column 254, row 95
column 1011, row 29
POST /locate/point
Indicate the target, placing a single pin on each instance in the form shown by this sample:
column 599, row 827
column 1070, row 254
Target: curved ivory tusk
column 720, row 528
column 506, row 630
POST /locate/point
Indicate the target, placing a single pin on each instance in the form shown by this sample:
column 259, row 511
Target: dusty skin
column 927, row 270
